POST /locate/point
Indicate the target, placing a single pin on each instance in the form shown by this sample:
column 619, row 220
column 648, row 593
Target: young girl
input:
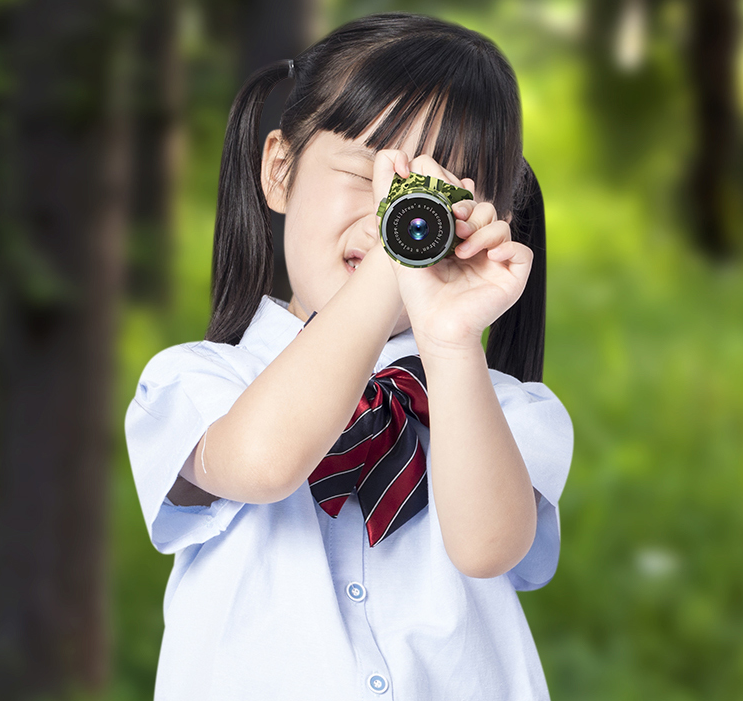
column 281, row 590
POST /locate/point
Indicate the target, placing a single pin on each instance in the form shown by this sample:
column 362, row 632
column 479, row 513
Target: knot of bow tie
column 379, row 454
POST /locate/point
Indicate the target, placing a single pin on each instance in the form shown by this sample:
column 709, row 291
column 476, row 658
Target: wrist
column 437, row 353
column 374, row 285
column 442, row 346
column 377, row 271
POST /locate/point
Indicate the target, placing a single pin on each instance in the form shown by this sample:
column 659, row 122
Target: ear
column 274, row 171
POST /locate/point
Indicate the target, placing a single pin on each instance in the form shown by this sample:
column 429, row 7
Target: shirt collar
column 274, row 327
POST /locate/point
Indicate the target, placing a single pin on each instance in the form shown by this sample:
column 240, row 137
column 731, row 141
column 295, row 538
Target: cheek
column 340, row 213
column 320, row 219
column 300, row 226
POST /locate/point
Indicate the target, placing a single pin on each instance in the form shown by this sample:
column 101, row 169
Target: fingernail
column 464, row 246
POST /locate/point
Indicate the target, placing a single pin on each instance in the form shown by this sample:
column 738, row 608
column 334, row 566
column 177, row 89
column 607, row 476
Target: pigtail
column 516, row 339
column 242, row 262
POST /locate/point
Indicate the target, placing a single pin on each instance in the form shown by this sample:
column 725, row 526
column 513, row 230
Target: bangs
column 470, row 85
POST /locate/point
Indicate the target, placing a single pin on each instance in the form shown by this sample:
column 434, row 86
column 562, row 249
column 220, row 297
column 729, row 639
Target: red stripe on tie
column 395, row 496
column 333, row 506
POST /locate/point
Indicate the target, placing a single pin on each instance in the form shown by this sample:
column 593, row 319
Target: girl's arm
column 484, row 498
column 285, row 422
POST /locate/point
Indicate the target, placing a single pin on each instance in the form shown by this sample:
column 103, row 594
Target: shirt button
column 378, row 684
column 356, row 592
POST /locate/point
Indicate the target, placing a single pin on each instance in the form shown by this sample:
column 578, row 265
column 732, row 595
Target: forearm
column 484, row 498
column 293, row 412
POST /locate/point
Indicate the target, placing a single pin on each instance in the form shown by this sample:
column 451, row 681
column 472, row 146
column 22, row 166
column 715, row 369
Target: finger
column 488, row 237
column 425, row 165
column 398, row 160
column 468, row 184
column 482, row 214
column 462, row 210
column 515, row 254
column 387, row 162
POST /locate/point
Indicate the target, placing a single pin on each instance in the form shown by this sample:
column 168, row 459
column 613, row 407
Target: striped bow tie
column 379, row 454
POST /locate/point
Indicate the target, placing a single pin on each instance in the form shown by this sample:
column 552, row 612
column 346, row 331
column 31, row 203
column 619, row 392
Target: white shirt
column 280, row 601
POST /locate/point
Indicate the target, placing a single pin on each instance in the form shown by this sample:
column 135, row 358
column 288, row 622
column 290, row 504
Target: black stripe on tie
column 336, row 484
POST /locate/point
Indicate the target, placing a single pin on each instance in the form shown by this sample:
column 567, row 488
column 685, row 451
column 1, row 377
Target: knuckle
column 524, row 250
column 505, row 229
column 427, row 165
column 496, row 240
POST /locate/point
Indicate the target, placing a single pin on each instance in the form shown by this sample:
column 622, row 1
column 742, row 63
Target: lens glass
column 417, row 228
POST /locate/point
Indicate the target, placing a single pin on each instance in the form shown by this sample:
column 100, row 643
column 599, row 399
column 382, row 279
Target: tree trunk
column 64, row 200
column 158, row 149
column 715, row 182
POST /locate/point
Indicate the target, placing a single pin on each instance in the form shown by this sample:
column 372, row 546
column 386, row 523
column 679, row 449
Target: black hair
column 416, row 65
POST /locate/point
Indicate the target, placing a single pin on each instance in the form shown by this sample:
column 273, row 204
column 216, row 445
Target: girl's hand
column 449, row 304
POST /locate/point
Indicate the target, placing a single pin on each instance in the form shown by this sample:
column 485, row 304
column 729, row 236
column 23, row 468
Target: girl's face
column 331, row 220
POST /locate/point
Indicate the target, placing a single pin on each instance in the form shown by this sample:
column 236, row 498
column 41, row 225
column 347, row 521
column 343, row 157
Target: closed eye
column 356, row 175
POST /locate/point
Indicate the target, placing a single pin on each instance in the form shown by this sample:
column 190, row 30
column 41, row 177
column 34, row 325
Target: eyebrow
column 357, row 152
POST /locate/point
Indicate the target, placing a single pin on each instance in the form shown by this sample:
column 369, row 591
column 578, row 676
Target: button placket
column 348, row 536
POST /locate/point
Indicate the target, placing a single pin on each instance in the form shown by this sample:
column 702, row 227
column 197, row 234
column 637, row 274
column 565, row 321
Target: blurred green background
column 632, row 122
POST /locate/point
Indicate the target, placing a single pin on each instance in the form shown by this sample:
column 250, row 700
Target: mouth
column 353, row 260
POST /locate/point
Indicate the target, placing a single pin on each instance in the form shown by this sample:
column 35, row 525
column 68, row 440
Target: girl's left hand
column 449, row 304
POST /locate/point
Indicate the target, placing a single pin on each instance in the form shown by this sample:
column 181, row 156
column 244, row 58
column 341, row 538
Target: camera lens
column 418, row 229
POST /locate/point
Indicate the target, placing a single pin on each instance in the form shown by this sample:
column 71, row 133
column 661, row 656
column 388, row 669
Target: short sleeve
column 544, row 434
column 182, row 391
